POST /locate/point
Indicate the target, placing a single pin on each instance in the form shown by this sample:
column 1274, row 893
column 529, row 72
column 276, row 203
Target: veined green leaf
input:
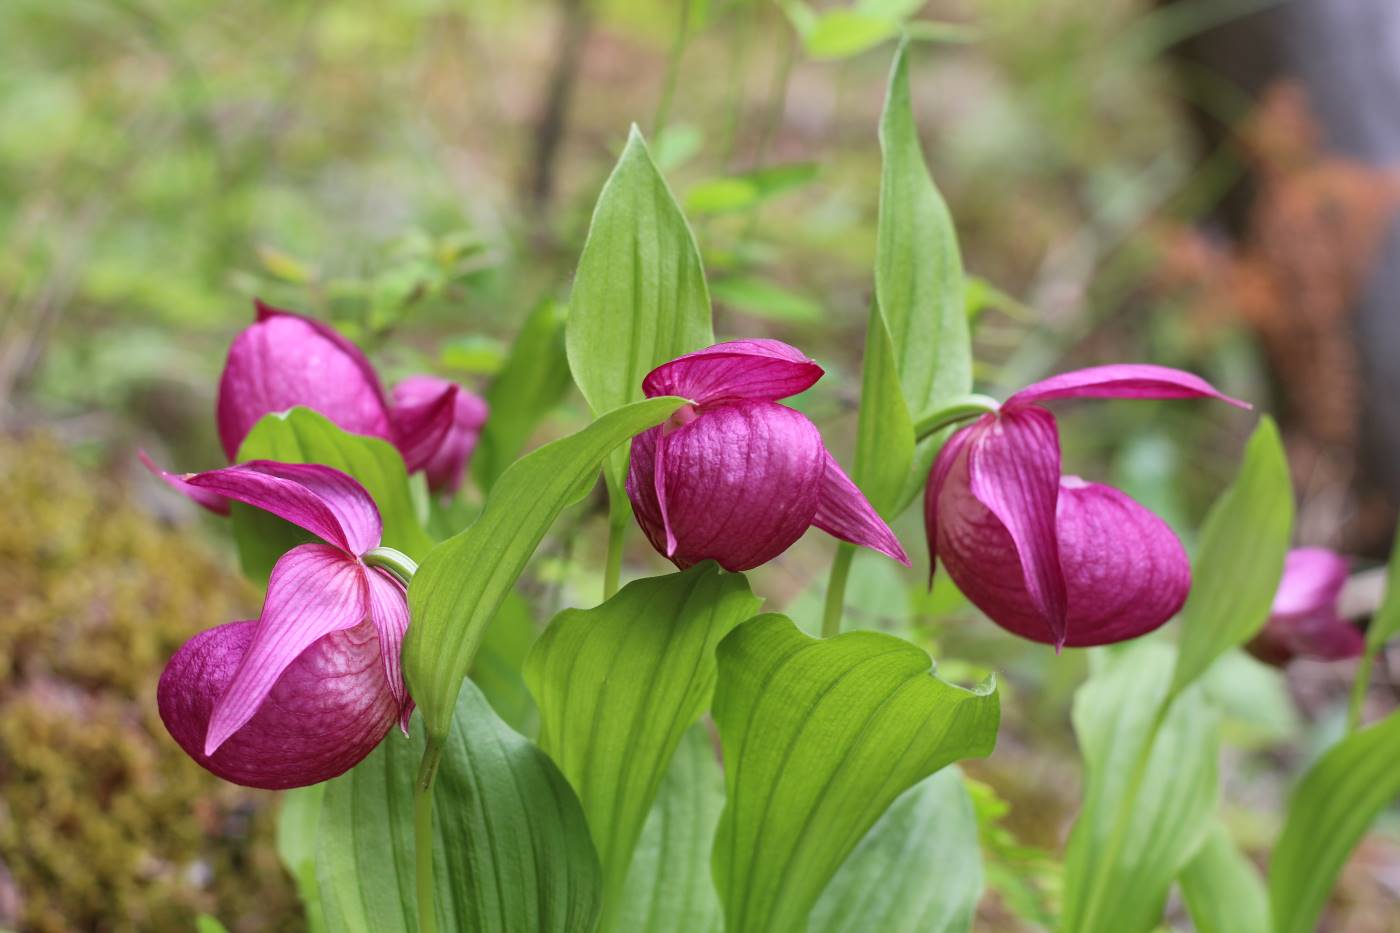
column 820, row 737
column 461, row 583
column 1117, row 874
column 304, row 436
column 668, row 887
column 298, row 825
column 1336, row 801
column 532, row 380
column 1223, row 890
column 884, row 433
column 918, row 870
column 618, row 686
column 498, row 669
column 639, row 298
column 1240, row 559
column 511, row 848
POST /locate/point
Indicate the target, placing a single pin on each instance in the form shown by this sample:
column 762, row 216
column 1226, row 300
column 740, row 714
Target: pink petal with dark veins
column 415, row 411
column 388, row 610
column 844, row 512
column 1120, row 380
column 765, row 370
column 327, row 710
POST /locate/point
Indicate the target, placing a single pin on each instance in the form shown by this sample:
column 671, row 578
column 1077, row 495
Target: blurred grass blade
column 1223, row 890
column 733, row 193
column 639, row 298
column 1384, row 624
column 1122, row 887
column 461, row 583
column 617, row 687
column 304, row 436
column 534, row 377
column 669, row 887
column 1240, row 558
column 513, row 851
column 1335, row 803
column 820, row 737
column 918, row 870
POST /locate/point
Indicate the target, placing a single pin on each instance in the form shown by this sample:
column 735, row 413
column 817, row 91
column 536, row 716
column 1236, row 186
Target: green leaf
column 1240, row 558
column 1335, row 803
column 820, row 737
column 764, row 299
column 534, row 377
column 918, row 273
column 668, row 887
column 304, row 436
column 845, row 33
column 1117, row 874
column 741, row 192
column 639, row 298
column 499, row 664
column 884, row 432
column 298, row 824
column 618, row 686
column 461, row 583
column 919, row 870
column 1386, row 622
column 511, row 848
column 1223, row 890
column 205, row 923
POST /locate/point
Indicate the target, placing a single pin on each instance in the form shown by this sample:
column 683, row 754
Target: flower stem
column 396, row 562
column 617, row 531
column 423, row 835
column 1358, row 689
column 836, row 589
column 959, row 409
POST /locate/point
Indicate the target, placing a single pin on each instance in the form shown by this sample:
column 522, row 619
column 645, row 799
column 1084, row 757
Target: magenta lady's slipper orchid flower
column 284, row 360
column 311, row 687
column 1049, row 557
column 447, row 465
column 1304, row 621
column 736, row 477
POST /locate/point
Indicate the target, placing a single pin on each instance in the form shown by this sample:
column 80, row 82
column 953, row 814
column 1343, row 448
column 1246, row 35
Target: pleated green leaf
column 461, row 583
column 499, row 665
column 617, row 687
column 918, row 870
column 511, row 847
column 532, row 380
column 1240, row 559
column 1117, row 876
column 669, row 886
column 884, row 433
column 820, row 737
column 1223, row 890
column 301, row 435
column 1332, row 808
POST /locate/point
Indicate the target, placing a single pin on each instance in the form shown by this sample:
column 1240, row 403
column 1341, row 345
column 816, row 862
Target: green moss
column 104, row 823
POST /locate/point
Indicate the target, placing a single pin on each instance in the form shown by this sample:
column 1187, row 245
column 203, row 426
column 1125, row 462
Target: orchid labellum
column 1304, row 621
column 734, row 476
column 1049, row 557
column 311, row 686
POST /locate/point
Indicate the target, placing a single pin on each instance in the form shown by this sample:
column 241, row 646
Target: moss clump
column 104, row 823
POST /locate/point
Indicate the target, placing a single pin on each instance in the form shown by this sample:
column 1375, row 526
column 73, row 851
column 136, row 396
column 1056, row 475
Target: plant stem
column 1358, row 689
column 396, row 562
column 617, row 532
column 959, row 409
column 423, row 835
column 836, row 589
column 673, row 67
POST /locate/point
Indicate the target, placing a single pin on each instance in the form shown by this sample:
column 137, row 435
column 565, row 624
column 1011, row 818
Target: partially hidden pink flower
column 1304, row 621
column 1048, row 557
column 283, row 360
column 447, row 465
column 311, row 686
column 734, row 476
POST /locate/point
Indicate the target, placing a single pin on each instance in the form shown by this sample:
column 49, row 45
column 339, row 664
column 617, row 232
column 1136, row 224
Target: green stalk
column 423, row 835
column 396, row 562
column 1358, row 689
column 959, row 409
column 617, row 532
column 836, row 589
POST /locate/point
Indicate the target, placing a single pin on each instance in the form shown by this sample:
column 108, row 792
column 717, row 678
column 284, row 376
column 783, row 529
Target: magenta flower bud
column 735, row 477
column 448, row 464
column 311, row 687
column 1304, row 621
column 284, row 360
column 1048, row 557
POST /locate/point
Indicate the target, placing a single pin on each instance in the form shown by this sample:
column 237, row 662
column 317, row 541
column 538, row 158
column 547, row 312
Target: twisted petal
column 764, row 370
column 739, row 484
column 443, row 459
column 388, row 611
column 326, row 502
column 1124, row 380
column 1014, row 472
column 844, row 512
column 1304, row 621
column 329, row 708
column 284, row 360
column 314, row 590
